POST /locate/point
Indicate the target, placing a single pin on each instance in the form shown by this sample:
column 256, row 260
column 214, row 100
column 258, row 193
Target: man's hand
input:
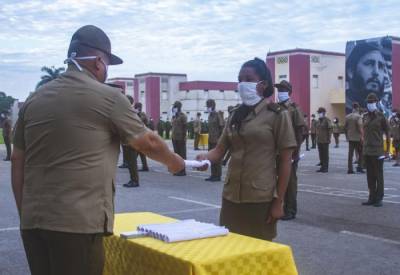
column 276, row 211
column 201, row 157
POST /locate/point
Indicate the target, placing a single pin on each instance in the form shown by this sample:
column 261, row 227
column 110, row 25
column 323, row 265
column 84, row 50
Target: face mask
column 321, row 115
column 209, row 109
column 372, row 107
column 248, row 93
column 73, row 59
column 174, row 110
column 283, row 96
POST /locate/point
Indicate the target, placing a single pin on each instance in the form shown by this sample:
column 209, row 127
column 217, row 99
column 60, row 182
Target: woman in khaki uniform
column 256, row 132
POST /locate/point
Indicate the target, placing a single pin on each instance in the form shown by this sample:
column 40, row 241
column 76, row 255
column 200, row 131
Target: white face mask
column 248, row 93
column 321, row 115
column 372, row 107
column 283, row 96
column 174, row 110
column 73, row 59
column 209, row 109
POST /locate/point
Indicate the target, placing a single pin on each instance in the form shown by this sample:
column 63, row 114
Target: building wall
column 300, row 80
column 152, row 97
column 173, row 94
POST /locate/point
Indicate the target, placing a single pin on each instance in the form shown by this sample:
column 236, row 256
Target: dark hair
column 130, row 98
column 356, row 105
column 264, row 74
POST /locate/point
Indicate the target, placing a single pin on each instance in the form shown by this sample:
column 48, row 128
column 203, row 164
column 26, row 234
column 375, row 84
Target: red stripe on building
column 207, row 85
column 396, row 74
column 136, row 90
column 300, row 80
column 153, row 98
column 271, row 67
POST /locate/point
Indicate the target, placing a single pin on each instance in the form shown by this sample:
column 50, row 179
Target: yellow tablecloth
column 230, row 255
column 203, row 140
column 392, row 150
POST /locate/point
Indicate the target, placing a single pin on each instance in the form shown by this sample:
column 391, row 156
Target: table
column 203, row 140
column 230, row 255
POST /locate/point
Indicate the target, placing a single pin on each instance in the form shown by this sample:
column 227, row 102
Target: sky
column 207, row 40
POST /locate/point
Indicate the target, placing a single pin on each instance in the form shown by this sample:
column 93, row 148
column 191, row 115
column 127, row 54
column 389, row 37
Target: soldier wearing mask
column 215, row 127
column 324, row 135
column 395, row 133
column 298, row 125
column 375, row 126
column 197, row 131
column 336, row 131
column 66, row 148
column 179, row 132
column 6, row 126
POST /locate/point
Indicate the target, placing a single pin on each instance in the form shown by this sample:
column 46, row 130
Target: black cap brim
column 115, row 60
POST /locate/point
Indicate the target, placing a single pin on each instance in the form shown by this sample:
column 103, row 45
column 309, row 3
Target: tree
column 5, row 102
column 51, row 73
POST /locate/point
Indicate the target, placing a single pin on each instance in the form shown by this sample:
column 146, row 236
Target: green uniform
column 190, row 127
column 395, row 131
column 251, row 180
column 313, row 132
column 168, row 127
column 142, row 156
column 352, row 128
column 375, row 125
column 70, row 131
column 197, row 132
column 324, row 135
column 336, row 133
column 298, row 126
column 161, row 128
column 6, row 126
column 179, row 131
column 215, row 126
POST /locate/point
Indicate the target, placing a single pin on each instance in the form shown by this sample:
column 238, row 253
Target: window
column 164, row 80
column 206, row 94
column 282, row 60
column 141, row 80
column 315, row 81
column 164, row 95
column 314, row 59
column 340, row 81
column 282, row 76
column 129, row 84
column 221, row 91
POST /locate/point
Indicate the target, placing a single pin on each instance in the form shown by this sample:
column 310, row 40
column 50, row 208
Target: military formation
column 64, row 187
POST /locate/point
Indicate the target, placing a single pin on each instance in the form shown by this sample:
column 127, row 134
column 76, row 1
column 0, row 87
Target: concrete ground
column 332, row 234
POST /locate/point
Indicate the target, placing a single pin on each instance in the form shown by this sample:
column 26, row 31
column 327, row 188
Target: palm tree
column 51, row 73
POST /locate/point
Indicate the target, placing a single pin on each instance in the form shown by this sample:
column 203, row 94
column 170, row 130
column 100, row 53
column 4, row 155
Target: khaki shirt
column 252, row 173
column 297, row 119
column 336, row 128
column 353, row 126
column 143, row 118
column 70, row 130
column 324, row 130
column 314, row 123
column 306, row 128
column 375, row 124
column 197, row 126
column 179, row 126
column 215, row 126
column 395, row 127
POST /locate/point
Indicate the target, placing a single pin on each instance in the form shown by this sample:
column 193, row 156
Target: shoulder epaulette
column 274, row 107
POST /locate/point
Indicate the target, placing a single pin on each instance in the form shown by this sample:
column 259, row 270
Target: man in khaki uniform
column 197, row 131
column 324, row 135
column 313, row 132
column 6, row 127
column 168, row 127
column 353, row 129
column 215, row 126
column 375, row 126
column 336, row 131
column 298, row 125
column 145, row 120
column 179, row 132
column 306, row 132
column 395, row 133
column 67, row 141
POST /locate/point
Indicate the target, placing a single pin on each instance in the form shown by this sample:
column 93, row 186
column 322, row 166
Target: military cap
column 321, row 110
column 178, row 104
column 372, row 97
column 284, row 85
column 95, row 38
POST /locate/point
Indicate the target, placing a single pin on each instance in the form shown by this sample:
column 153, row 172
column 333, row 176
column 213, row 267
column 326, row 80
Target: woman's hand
column 276, row 211
column 201, row 157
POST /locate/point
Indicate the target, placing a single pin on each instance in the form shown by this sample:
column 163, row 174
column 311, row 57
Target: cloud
column 205, row 39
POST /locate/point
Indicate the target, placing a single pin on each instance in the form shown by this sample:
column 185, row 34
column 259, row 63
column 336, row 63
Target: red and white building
column 317, row 78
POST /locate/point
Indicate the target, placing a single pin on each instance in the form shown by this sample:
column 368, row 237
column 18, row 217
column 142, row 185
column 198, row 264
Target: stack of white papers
column 197, row 163
column 182, row 230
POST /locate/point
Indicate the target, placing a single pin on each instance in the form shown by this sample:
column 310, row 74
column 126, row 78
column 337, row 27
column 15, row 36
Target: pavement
column 332, row 233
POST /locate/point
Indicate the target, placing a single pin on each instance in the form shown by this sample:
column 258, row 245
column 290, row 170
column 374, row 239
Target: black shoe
column 196, row 149
column 368, row 202
column 131, row 183
column 360, row 170
column 144, row 170
column 378, row 204
column 180, row 174
column 355, row 162
column 319, row 164
column 308, row 149
column 322, row 171
column 288, row 217
column 396, row 164
column 213, row 179
column 124, row 165
column 7, row 159
column 350, row 172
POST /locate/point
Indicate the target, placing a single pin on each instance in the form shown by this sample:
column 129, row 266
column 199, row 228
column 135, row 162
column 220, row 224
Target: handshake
column 201, row 165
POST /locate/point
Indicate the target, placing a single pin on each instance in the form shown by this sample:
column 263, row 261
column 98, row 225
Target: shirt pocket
column 265, row 183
